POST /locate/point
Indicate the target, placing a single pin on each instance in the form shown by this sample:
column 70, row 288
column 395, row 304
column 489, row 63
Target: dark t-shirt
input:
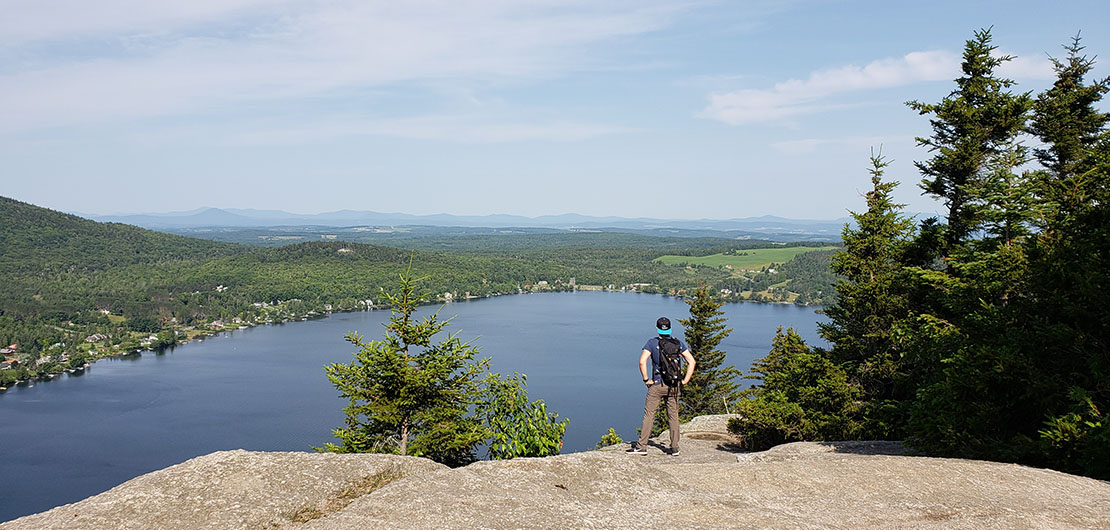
column 653, row 347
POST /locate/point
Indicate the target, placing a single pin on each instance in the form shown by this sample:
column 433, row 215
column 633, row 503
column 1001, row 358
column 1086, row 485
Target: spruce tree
column 871, row 300
column 407, row 394
column 1009, row 202
column 1066, row 119
column 801, row 396
column 971, row 126
column 1066, row 320
column 712, row 388
column 970, row 370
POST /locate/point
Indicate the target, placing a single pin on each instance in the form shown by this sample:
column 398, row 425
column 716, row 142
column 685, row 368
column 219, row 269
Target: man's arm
column 689, row 366
column 644, row 356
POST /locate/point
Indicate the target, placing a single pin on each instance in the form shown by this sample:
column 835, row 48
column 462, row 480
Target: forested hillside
column 74, row 289
column 41, row 240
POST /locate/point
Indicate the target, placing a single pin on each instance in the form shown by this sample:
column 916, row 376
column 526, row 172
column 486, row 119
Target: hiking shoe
column 636, row 449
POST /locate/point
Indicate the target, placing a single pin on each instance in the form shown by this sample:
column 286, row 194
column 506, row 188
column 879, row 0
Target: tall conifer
column 971, row 371
column 871, row 300
column 712, row 388
column 971, row 126
column 1066, row 321
column 1066, row 119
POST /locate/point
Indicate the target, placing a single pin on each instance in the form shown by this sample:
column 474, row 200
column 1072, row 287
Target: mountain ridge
column 235, row 217
column 44, row 238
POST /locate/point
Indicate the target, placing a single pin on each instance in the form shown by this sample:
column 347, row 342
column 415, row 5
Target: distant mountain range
column 249, row 218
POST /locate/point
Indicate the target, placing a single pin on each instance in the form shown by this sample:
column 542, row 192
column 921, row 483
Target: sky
column 667, row 109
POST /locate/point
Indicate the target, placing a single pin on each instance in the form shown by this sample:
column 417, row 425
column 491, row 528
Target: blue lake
column 264, row 388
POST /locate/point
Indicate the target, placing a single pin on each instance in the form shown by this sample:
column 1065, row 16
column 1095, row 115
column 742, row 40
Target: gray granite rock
column 228, row 489
column 710, row 485
column 712, row 427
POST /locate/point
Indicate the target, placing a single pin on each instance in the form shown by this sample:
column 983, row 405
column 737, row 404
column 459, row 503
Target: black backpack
column 670, row 361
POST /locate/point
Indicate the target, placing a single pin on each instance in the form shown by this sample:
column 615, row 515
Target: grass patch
column 306, row 514
column 753, row 259
column 362, row 487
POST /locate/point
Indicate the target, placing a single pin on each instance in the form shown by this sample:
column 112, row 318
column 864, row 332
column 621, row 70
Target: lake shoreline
column 200, row 335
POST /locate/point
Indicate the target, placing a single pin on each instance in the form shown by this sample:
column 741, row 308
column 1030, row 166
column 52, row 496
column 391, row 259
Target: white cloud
column 30, row 21
column 84, row 61
column 1033, row 67
column 463, row 129
column 795, row 96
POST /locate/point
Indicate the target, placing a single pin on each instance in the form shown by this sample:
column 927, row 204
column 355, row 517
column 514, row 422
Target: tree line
column 983, row 333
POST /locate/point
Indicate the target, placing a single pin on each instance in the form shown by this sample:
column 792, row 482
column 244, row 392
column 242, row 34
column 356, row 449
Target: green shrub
column 803, row 397
column 1079, row 441
column 610, row 438
column 519, row 427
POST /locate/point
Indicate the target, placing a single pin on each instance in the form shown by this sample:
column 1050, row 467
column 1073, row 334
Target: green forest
column 76, row 289
column 983, row 333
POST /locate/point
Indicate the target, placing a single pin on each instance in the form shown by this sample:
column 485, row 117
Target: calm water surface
column 265, row 389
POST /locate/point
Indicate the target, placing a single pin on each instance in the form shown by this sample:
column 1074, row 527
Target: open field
column 753, row 259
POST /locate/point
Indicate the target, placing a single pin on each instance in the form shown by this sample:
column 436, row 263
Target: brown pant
column 651, row 404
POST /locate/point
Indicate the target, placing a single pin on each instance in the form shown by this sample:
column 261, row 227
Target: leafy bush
column 609, row 438
column 518, row 427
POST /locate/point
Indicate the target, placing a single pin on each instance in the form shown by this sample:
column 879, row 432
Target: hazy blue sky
column 675, row 109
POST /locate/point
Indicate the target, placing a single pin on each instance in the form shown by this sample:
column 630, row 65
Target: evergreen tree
column 802, row 396
column 871, row 299
column 712, row 388
column 968, row 361
column 971, row 371
column 986, row 336
column 406, row 394
column 1066, row 120
column 971, row 126
column 1066, row 319
column 1009, row 203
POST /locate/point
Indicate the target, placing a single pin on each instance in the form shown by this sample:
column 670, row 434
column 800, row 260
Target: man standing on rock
column 657, row 390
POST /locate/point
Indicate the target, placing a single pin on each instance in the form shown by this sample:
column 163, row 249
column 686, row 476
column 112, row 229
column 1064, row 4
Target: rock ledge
column 710, row 485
